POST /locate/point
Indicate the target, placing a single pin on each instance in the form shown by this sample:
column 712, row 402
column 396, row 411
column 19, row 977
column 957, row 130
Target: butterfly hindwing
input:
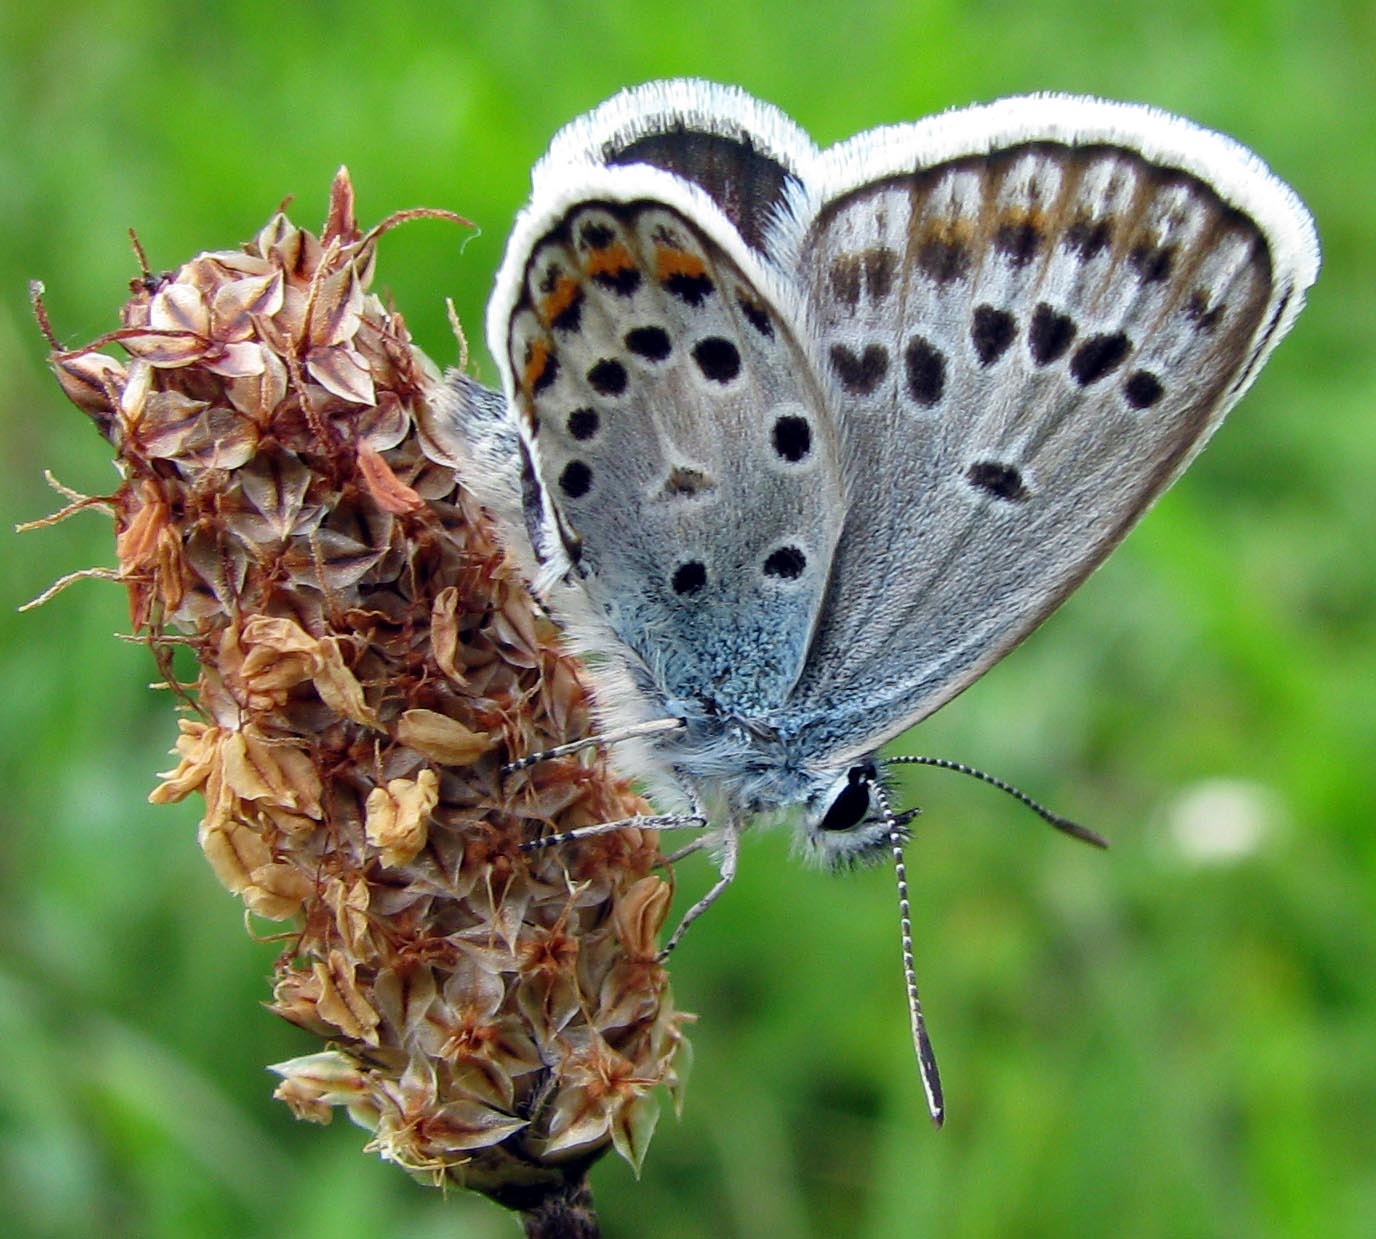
column 1025, row 345
column 678, row 435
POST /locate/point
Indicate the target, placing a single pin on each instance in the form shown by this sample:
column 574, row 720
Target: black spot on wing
column 1000, row 480
column 943, row 259
column 1018, row 241
column 717, row 358
column 689, row 577
column 1142, row 389
column 756, row 316
column 582, row 424
column 787, row 563
column 1199, row 311
column 623, row 281
column 595, row 236
column 861, row 374
column 690, row 287
column 651, row 343
column 576, row 479
column 846, row 278
column 792, row 438
column 549, row 371
column 991, row 332
column 926, row 370
column 1086, row 238
column 608, row 377
column 1152, row 262
column 869, row 273
column 570, row 318
column 1049, row 335
column 1098, row 356
column 880, row 264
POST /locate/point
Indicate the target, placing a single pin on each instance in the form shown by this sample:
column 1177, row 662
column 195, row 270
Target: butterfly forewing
column 681, row 439
column 745, row 155
column 1024, row 348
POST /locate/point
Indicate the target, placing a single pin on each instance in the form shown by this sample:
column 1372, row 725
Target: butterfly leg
column 665, row 821
column 654, row 727
column 731, row 849
column 686, row 850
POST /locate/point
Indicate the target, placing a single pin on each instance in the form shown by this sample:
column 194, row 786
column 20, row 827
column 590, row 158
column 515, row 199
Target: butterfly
column 801, row 442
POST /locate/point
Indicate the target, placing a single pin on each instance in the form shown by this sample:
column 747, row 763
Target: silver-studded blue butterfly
column 801, row 442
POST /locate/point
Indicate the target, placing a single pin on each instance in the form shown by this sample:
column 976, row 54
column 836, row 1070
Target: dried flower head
column 368, row 659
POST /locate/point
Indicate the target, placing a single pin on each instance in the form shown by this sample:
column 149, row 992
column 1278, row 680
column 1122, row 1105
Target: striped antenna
column 1063, row 824
column 926, row 1057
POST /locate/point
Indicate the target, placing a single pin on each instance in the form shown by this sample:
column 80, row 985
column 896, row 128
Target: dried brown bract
column 368, row 659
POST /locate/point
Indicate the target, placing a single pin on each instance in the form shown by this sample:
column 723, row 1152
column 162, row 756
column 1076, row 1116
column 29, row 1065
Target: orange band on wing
column 670, row 262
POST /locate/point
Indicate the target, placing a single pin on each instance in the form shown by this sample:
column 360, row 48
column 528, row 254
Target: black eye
column 852, row 801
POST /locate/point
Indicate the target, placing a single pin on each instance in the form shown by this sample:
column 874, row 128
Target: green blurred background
column 1177, row 1038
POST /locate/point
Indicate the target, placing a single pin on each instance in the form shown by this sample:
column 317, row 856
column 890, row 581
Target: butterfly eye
column 850, row 805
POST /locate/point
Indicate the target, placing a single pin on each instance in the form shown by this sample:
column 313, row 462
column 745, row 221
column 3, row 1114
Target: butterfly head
column 844, row 824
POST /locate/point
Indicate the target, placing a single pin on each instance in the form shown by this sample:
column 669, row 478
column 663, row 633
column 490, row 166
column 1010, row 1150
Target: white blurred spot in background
column 1222, row 821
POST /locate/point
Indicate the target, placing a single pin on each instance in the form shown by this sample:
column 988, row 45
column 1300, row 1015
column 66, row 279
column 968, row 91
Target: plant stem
column 563, row 1214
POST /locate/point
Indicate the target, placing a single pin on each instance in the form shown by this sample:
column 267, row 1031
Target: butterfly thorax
column 742, row 770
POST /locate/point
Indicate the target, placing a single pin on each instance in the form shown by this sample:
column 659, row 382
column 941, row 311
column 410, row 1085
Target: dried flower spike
column 368, row 658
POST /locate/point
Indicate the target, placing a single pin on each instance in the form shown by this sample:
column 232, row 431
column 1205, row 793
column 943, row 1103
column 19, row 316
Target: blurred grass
column 1141, row 1044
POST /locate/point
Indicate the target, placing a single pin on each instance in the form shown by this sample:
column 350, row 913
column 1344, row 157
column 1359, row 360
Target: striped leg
column 731, row 850
column 655, row 727
column 664, row 821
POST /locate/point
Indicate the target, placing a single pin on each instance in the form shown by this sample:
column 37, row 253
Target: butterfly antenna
column 926, row 1057
column 1063, row 824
